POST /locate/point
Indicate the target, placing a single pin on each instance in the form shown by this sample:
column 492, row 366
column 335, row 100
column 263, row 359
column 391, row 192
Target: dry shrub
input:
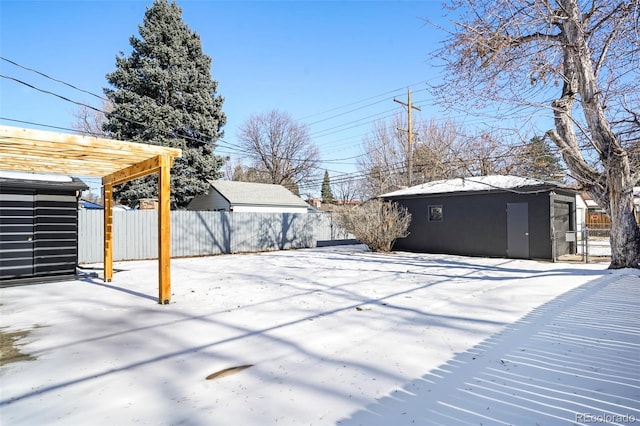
column 375, row 223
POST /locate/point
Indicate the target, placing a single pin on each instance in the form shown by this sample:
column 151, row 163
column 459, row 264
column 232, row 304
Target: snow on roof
column 34, row 176
column 257, row 193
column 469, row 184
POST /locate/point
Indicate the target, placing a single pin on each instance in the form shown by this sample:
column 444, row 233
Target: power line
column 52, row 78
column 220, row 142
column 362, row 100
column 50, row 93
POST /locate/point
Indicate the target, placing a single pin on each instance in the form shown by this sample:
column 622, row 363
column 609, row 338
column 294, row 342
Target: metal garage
column 493, row 216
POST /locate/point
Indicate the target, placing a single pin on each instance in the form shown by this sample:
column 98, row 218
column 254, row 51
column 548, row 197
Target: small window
column 435, row 213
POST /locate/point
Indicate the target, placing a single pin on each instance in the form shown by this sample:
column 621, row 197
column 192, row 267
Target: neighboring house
column 595, row 216
column 38, row 227
column 496, row 216
column 248, row 197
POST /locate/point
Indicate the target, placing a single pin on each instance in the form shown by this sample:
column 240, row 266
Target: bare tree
column 439, row 151
column 90, row 120
column 580, row 60
column 376, row 223
column 385, row 161
column 346, row 190
column 280, row 149
column 236, row 171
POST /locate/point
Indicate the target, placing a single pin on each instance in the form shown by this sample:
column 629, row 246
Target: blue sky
column 333, row 65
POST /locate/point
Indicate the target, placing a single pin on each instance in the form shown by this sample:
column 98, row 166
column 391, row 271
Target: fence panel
column 587, row 245
column 201, row 233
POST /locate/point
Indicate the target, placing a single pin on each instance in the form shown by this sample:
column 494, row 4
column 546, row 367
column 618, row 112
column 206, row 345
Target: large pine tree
column 164, row 95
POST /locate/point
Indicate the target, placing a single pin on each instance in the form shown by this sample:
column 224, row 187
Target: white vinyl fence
column 193, row 233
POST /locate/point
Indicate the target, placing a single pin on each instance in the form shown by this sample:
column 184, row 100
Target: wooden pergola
column 116, row 162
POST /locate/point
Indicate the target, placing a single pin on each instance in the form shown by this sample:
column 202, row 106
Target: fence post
column 586, row 244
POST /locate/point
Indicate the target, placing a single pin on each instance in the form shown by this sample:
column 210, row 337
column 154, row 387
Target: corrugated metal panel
column 56, row 237
column 202, row 233
column 17, row 229
column 38, row 234
column 90, row 235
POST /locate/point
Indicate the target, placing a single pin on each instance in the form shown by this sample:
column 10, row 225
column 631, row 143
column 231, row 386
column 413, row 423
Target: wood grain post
column 164, row 231
column 107, row 196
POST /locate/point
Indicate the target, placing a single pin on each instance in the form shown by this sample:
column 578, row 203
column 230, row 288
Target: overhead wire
column 227, row 147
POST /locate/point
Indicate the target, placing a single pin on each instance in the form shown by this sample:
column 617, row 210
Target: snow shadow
column 573, row 360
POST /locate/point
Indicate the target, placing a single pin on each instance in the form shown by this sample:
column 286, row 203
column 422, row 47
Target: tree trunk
column 613, row 188
column 625, row 233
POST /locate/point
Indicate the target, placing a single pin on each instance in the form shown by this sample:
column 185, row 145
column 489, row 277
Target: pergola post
column 107, row 196
column 164, row 231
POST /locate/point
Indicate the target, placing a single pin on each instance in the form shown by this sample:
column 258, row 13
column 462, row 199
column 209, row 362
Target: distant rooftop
column 251, row 193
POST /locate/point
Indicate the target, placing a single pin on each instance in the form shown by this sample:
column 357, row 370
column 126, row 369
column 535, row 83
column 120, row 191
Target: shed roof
column 36, row 180
column 262, row 194
column 474, row 184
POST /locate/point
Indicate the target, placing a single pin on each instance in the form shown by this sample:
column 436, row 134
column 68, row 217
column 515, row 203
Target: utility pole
column 409, row 106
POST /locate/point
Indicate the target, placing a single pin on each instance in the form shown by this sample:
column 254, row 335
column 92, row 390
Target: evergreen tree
column 327, row 195
column 164, row 95
column 537, row 160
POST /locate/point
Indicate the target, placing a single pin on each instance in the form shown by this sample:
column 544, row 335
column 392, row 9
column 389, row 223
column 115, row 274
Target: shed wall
column 475, row 224
column 38, row 233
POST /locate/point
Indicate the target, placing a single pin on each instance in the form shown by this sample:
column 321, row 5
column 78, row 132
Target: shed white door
column 518, row 230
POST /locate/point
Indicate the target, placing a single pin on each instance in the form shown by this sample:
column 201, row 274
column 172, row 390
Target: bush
column 375, row 223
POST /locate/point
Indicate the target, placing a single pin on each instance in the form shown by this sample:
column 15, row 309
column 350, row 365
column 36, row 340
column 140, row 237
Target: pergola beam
column 136, row 171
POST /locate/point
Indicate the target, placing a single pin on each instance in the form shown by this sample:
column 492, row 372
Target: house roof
column 262, row 194
column 474, row 184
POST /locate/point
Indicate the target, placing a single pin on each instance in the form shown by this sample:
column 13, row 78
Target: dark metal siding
column 17, row 228
column 38, row 232
column 475, row 224
column 56, row 236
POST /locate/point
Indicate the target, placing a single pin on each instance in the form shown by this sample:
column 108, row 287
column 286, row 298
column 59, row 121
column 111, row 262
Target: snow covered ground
column 336, row 335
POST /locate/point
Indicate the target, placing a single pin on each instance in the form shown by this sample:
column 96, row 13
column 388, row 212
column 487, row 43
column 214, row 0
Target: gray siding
column 201, row 233
column 38, row 233
column 475, row 223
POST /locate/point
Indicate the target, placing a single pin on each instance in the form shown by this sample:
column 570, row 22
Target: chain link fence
column 588, row 245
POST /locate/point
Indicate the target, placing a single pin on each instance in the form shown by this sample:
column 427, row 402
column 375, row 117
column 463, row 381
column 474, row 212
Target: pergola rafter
column 114, row 161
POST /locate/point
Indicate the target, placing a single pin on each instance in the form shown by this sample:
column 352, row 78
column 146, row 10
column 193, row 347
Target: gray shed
column 234, row 196
column 493, row 216
column 38, row 227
